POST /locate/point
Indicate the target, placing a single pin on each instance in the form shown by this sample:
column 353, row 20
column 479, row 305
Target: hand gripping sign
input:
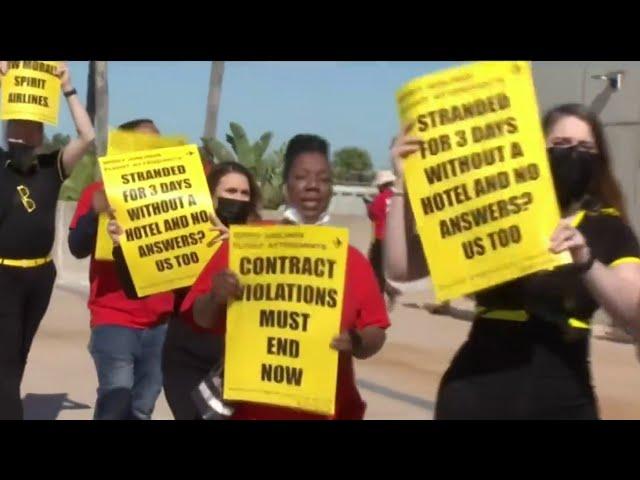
column 122, row 141
column 162, row 202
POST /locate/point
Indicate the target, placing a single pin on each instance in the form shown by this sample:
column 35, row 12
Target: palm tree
column 101, row 95
column 266, row 167
column 91, row 91
column 213, row 99
column 98, row 108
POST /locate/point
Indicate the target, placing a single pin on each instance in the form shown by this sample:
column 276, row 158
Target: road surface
column 399, row 383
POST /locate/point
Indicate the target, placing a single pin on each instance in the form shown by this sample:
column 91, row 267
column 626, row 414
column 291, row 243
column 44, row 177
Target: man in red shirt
column 126, row 335
column 377, row 211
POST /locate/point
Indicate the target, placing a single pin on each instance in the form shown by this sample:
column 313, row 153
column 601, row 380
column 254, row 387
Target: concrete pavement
column 399, row 383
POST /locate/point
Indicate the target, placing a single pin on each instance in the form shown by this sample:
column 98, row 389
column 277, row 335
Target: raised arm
column 77, row 147
column 403, row 256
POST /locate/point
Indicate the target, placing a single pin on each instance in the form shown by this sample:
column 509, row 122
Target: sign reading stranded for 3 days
column 480, row 185
column 162, row 202
column 123, row 141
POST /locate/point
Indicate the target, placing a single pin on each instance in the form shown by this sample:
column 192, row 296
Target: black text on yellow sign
column 162, row 202
column 277, row 342
column 31, row 91
column 124, row 141
column 480, row 185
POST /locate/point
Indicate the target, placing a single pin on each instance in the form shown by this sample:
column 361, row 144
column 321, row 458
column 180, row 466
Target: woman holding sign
column 30, row 182
column 308, row 183
column 189, row 353
column 527, row 353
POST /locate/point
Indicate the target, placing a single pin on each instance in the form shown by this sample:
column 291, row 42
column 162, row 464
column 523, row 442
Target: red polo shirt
column 107, row 301
column 377, row 211
column 363, row 306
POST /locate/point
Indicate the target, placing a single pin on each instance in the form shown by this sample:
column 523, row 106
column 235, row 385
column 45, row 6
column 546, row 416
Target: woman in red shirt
column 189, row 353
column 308, row 183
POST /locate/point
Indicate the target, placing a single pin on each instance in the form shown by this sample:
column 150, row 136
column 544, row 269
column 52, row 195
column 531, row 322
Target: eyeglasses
column 28, row 203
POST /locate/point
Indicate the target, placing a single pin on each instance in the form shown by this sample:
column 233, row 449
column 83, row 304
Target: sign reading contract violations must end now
column 31, row 91
column 277, row 341
column 480, row 186
column 162, row 202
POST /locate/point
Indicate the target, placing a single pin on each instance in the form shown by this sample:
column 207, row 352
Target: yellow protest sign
column 162, row 202
column 104, row 245
column 277, row 342
column 31, row 91
column 480, row 186
column 124, row 141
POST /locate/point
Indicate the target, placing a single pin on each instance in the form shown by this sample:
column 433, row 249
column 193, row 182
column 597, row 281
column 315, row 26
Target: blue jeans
column 128, row 363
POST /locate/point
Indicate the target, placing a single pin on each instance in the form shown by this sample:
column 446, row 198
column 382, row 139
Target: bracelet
column 70, row 93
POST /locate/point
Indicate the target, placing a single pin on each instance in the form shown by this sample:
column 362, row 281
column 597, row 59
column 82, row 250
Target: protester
column 377, row 212
column 190, row 352
column 30, row 185
column 308, row 183
column 127, row 335
column 527, row 353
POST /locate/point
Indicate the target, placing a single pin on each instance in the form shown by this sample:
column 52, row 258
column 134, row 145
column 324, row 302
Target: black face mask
column 573, row 171
column 233, row 212
column 22, row 156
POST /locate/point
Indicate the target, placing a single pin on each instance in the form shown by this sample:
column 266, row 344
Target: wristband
column 70, row 93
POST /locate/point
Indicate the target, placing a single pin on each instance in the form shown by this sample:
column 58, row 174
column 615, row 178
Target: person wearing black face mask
column 526, row 356
column 22, row 157
column 231, row 211
column 189, row 354
column 574, row 172
column 30, row 182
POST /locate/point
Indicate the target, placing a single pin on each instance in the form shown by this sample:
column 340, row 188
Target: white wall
column 347, row 200
column 71, row 271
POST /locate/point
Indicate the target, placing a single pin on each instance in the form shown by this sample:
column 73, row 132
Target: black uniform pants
column 24, row 299
column 188, row 356
column 491, row 379
column 376, row 260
